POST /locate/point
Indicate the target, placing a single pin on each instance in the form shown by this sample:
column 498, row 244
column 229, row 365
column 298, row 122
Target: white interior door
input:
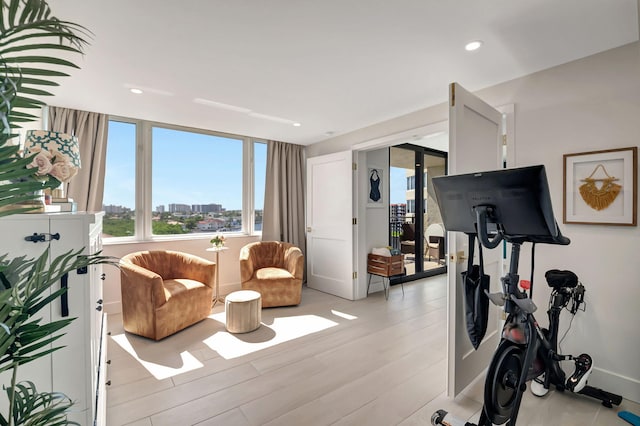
column 329, row 224
column 475, row 144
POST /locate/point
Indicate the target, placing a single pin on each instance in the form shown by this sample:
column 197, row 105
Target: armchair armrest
column 294, row 262
column 247, row 266
column 141, row 284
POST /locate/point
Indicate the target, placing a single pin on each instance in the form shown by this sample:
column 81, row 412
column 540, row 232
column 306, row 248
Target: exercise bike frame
column 533, row 341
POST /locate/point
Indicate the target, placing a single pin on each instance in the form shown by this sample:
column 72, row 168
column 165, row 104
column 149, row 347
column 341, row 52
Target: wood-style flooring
column 328, row 361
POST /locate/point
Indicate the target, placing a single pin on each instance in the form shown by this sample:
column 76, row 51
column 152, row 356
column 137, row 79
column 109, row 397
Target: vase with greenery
column 32, row 42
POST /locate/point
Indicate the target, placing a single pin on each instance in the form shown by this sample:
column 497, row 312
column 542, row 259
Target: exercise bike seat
column 561, row 279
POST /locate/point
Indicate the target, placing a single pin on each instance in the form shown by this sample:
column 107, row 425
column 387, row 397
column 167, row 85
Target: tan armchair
column 274, row 269
column 164, row 291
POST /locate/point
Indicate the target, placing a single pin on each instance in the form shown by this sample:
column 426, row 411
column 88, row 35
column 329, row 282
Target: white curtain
column 283, row 216
column 87, row 187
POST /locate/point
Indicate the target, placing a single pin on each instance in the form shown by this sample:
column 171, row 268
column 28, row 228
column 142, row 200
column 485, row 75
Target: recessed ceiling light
column 136, row 91
column 473, row 45
column 297, row 124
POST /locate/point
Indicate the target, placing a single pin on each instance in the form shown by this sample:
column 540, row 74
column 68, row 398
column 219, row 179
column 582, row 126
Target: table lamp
column 62, row 152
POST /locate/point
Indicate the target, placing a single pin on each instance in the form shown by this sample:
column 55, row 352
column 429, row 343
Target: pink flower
column 42, row 162
column 63, row 171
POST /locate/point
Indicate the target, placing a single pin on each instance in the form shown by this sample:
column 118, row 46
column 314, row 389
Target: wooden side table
column 385, row 267
column 217, row 251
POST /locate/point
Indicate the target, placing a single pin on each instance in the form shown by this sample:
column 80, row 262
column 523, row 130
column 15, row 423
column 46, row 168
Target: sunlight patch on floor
column 187, row 361
column 343, row 315
column 230, row 345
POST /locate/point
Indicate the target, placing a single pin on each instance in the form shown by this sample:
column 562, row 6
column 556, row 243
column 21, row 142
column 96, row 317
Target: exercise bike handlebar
column 485, row 214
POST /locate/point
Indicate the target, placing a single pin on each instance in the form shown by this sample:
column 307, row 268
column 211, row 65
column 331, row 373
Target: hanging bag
column 475, row 284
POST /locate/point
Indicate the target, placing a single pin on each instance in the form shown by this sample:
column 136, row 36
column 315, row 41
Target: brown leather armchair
column 164, row 291
column 275, row 270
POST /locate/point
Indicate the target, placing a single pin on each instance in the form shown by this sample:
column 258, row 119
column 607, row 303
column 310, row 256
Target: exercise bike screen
column 519, row 197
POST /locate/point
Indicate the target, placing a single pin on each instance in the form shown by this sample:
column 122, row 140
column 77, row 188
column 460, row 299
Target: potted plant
column 30, row 37
column 217, row 241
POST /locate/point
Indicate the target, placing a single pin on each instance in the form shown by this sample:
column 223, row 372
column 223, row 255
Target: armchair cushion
column 275, row 270
column 164, row 291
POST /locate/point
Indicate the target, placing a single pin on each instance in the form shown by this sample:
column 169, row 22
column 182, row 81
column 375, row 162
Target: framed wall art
column 600, row 187
column 375, row 176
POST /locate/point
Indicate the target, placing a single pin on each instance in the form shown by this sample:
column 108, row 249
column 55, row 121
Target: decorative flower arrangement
column 53, row 164
column 217, row 241
column 57, row 154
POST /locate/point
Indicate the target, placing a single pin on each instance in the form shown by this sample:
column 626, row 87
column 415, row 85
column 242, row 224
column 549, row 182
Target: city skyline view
column 188, row 168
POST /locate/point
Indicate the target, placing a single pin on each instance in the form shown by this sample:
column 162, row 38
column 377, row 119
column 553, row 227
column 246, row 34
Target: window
column 411, row 183
column 119, row 198
column 259, row 173
column 188, row 182
column 411, row 206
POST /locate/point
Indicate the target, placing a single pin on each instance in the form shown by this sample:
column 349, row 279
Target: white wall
column 589, row 104
column 376, row 219
column 229, row 263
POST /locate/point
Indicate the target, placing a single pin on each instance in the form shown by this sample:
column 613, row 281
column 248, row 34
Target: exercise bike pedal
column 578, row 380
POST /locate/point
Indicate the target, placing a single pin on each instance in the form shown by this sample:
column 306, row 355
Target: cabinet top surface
column 31, row 216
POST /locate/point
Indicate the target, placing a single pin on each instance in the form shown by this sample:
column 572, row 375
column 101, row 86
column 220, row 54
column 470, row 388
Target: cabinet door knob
column 99, row 308
column 99, row 302
column 103, row 276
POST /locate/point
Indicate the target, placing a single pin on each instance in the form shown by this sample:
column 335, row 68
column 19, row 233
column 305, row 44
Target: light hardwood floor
column 327, row 361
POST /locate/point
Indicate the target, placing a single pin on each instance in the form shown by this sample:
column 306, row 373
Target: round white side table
column 243, row 311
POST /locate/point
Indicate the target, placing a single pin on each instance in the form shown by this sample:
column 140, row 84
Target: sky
column 204, row 170
column 398, row 186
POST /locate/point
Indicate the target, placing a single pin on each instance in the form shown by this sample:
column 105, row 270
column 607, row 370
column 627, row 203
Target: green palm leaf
column 32, row 44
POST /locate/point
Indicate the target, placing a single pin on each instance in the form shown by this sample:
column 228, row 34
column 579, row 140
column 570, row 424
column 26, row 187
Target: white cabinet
column 77, row 370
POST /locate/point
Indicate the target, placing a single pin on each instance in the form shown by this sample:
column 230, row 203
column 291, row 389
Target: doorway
column 415, row 225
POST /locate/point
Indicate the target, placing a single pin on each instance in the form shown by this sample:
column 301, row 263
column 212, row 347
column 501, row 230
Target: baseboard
column 609, row 381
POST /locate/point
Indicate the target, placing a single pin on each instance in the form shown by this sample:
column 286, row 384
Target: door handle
column 35, row 238
column 308, row 229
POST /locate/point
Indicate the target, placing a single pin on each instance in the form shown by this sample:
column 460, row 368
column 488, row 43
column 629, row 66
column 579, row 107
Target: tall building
column 397, row 212
column 179, row 208
column 206, row 208
column 112, row 209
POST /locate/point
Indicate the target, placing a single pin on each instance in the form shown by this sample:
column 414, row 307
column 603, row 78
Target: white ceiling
column 333, row 65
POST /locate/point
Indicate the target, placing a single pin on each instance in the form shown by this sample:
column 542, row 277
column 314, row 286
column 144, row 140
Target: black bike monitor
column 518, row 200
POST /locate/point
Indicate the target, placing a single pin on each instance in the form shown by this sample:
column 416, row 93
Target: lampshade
column 60, row 149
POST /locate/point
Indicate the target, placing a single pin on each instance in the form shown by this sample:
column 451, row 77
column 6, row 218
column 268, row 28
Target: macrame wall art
column 599, row 193
column 600, row 187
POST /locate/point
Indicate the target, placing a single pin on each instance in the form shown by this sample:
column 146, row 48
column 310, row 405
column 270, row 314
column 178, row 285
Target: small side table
column 217, row 250
column 243, row 311
column 385, row 267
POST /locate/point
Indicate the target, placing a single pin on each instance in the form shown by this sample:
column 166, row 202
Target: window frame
column 143, row 203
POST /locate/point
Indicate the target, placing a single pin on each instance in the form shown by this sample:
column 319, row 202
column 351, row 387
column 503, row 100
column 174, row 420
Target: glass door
column 414, row 217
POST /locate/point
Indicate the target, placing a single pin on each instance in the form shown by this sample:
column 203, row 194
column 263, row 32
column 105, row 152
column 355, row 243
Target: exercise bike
column 526, row 351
